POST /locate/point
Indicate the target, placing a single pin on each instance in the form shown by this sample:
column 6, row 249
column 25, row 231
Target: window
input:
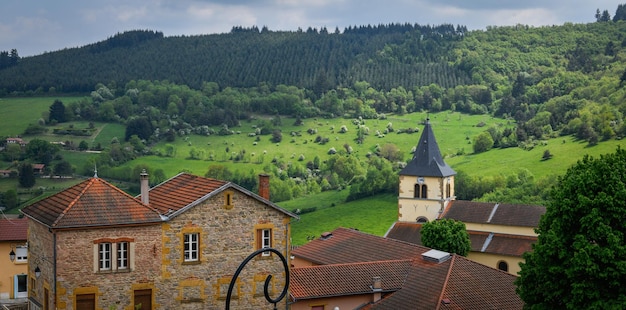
column 104, row 256
column 420, row 191
column 266, row 240
column 264, row 237
column 191, row 247
column 502, row 265
column 122, row 255
column 21, row 254
column 228, row 200
column 113, row 255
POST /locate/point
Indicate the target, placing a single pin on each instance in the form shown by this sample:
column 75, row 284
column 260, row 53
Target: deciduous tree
column 446, row 235
column 579, row 260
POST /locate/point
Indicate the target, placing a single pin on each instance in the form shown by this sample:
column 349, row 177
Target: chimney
column 264, row 186
column 145, row 187
column 377, row 288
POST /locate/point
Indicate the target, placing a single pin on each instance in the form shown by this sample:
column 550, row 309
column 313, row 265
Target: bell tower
column 426, row 183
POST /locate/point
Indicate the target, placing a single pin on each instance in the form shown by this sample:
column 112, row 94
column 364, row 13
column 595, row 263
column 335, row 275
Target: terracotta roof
column 14, row 229
column 486, row 242
column 352, row 246
column 93, row 202
column 346, row 279
column 504, row 244
column 185, row 190
column 427, row 160
column 182, row 190
column 463, row 284
column 494, row 213
column 405, row 231
column 471, row 285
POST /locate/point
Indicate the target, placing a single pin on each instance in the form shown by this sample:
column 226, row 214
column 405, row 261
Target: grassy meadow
column 454, row 132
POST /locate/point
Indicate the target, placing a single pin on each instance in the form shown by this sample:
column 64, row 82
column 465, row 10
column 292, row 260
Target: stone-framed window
column 113, row 255
column 264, row 237
column 191, row 248
column 228, row 200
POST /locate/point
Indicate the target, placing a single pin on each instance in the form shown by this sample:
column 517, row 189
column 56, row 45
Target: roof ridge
column 445, row 282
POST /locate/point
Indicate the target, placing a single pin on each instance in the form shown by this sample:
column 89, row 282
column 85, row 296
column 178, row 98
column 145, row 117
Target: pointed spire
column 95, row 171
column 427, row 160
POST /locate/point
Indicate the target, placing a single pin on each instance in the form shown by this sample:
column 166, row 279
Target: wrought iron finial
column 267, row 280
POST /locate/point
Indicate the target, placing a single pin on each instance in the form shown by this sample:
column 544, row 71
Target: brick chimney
column 377, row 289
column 264, row 186
column 145, row 187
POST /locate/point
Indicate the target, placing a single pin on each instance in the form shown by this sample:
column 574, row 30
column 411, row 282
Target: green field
column 454, row 132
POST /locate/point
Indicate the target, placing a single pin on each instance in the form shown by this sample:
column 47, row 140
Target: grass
column 373, row 215
column 18, row 113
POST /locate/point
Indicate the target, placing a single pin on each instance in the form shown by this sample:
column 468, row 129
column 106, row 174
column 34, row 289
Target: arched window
column 416, row 191
column 502, row 265
column 422, row 219
column 448, row 190
column 424, row 191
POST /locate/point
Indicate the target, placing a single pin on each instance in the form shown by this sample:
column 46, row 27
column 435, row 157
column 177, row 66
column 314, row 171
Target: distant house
column 13, row 259
column 348, row 269
column 175, row 246
column 19, row 141
column 38, row 168
column 7, row 173
column 499, row 233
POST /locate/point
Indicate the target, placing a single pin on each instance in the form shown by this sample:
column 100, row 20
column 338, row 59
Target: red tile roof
column 471, row 285
column 492, row 213
column 346, row 279
column 352, row 246
column 462, row 283
column 182, row 190
column 93, row 202
column 13, row 229
column 186, row 190
column 504, row 244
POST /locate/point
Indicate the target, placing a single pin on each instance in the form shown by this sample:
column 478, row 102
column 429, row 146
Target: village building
column 499, row 233
column 14, row 260
column 175, row 246
column 348, row 269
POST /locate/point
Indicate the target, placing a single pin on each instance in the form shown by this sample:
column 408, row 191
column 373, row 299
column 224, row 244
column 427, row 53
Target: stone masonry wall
column 227, row 237
column 75, row 258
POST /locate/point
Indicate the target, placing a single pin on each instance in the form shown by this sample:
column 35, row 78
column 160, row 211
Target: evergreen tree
column 57, row 112
column 26, row 175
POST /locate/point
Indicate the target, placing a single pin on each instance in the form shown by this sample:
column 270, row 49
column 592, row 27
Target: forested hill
column 386, row 56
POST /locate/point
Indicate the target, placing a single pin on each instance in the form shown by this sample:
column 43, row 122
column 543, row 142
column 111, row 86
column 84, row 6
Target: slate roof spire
column 427, row 160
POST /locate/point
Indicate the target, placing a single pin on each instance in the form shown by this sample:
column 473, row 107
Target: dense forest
column 549, row 81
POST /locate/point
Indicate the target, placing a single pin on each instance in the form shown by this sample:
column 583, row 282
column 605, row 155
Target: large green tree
column 579, row 260
column 446, row 235
column 26, row 175
column 57, row 111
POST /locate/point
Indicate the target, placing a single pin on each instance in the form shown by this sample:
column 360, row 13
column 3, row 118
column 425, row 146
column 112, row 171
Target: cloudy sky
column 35, row 26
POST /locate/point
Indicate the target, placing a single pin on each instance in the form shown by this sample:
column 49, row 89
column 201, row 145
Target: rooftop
column 93, row 202
column 13, row 229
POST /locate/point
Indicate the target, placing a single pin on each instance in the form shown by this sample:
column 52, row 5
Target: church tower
column 426, row 183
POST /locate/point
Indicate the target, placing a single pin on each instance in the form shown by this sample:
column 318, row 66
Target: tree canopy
column 446, row 235
column 579, row 260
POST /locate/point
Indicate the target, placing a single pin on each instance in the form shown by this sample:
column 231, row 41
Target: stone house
column 499, row 233
column 175, row 246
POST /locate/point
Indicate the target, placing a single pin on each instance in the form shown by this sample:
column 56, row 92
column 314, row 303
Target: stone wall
column 76, row 258
column 227, row 237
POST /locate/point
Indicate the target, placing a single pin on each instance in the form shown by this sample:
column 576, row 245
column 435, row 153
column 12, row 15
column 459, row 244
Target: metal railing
column 267, row 280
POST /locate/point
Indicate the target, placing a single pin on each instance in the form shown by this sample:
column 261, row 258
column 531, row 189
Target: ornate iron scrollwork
column 267, row 280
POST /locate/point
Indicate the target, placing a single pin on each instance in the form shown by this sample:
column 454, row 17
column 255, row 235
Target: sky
column 34, row 27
